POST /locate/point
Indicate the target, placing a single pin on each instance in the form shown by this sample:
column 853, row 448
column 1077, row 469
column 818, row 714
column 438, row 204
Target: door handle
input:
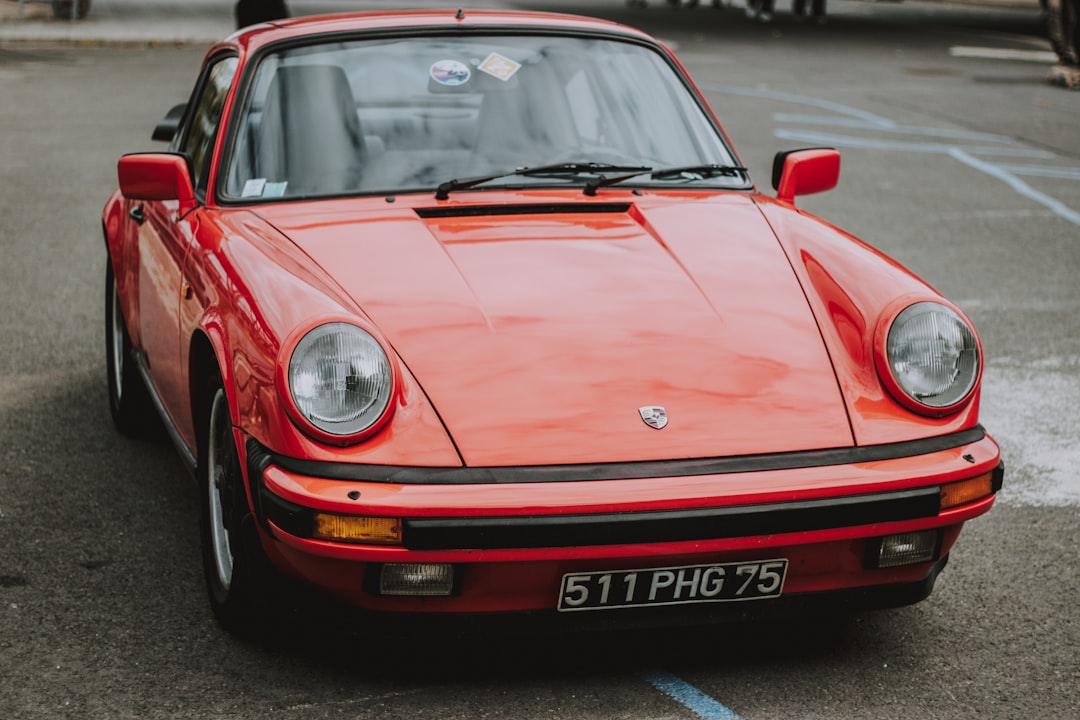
column 136, row 214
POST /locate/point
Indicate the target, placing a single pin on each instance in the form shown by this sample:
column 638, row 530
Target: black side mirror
column 166, row 129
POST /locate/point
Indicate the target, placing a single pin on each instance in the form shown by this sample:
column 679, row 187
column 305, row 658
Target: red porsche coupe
column 456, row 313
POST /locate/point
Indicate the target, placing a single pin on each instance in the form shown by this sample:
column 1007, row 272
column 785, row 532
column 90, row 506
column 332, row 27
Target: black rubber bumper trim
column 549, row 531
column 593, row 529
column 292, row 518
column 408, row 475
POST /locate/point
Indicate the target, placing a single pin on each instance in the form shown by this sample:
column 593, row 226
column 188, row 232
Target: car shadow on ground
column 145, row 498
column 332, row 639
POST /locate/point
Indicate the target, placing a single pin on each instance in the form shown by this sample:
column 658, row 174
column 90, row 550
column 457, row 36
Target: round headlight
column 933, row 355
column 340, row 379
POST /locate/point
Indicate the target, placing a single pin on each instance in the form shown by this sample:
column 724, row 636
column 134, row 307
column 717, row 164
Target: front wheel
column 238, row 574
column 129, row 401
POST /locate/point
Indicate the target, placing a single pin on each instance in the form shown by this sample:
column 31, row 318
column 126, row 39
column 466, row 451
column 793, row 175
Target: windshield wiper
column 442, row 192
column 686, row 172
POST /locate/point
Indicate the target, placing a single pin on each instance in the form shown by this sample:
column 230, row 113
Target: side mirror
column 157, row 176
column 167, row 127
column 804, row 172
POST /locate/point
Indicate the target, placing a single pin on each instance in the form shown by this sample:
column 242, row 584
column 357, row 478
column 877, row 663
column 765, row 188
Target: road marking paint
column 818, row 138
column 833, row 121
column 870, row 118
column 1037, row 56
column 1056, row 206
column 840, row 141
column 697, row 702
column 1061, row 173
column 848, row 117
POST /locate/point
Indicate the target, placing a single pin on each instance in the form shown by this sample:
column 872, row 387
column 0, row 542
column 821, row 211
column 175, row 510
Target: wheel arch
column 111, row 222
column 121, row 251
column 207, row 359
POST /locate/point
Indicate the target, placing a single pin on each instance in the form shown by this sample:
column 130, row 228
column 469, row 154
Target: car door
column 165, row 239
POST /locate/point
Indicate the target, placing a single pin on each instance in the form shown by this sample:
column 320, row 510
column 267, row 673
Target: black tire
column 61, row 9
column 129, row 402
column 240, row 581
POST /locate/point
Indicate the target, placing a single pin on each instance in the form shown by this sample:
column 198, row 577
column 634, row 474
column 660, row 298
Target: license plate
column 724, row 582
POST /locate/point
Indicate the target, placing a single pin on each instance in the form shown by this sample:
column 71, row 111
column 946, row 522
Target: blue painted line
column 697, row 702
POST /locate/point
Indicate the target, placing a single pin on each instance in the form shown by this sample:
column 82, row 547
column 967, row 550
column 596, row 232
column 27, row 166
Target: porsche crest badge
column 655, row 416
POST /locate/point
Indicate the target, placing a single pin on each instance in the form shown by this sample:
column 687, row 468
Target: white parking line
column 1037, row 56
column 953, row 143
column 1043, row 171
column 847, row 122
column 1056, row 206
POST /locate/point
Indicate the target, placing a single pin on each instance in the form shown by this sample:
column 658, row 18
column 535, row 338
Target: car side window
column 197, row 139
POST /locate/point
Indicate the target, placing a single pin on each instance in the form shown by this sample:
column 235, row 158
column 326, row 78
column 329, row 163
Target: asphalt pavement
column 172, row 22
column 962, row 165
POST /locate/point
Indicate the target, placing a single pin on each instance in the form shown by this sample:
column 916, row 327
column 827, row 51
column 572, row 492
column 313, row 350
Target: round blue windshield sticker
column 450, row 72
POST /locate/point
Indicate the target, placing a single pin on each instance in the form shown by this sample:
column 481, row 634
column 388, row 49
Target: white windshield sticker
column 450, row 73
column 261, row 187
column 254, row 187
column 500, row 66
column 275, row 189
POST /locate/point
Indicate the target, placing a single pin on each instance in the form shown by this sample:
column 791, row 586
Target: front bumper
column 512, row 533
column 837, row 603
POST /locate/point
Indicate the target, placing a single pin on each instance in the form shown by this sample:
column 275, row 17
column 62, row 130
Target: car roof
column 262, row 34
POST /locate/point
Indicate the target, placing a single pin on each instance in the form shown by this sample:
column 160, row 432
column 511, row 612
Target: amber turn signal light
column 965, row 491
column 357, row 529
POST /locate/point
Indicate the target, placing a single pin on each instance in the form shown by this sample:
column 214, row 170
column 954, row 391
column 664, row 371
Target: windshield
column 410, row 114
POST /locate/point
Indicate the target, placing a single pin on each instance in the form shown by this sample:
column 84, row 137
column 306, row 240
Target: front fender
column 852, row 289
column 253, row 289
column 122, row 249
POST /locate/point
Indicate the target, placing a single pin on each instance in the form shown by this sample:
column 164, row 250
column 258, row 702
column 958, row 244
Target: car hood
column 539, row 333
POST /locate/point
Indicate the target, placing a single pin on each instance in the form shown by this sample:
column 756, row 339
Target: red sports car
column 460, row 313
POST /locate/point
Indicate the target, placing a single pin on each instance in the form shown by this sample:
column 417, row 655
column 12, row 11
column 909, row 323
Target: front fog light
column 903, row 549
column 417, row 579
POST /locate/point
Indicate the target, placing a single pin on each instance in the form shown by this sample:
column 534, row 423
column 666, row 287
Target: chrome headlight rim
column 351, row 423
column 954, row 337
